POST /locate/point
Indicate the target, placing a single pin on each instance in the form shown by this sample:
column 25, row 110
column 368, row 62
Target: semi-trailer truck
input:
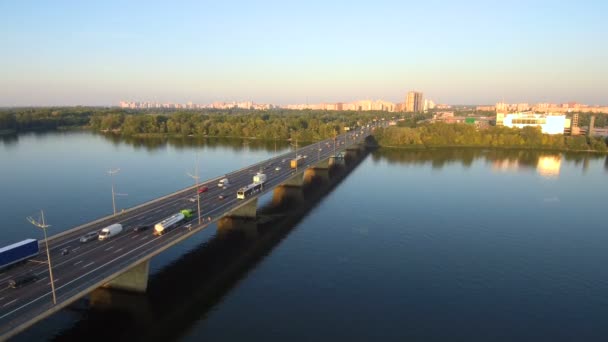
column 17, row 252
column 162, row 226
column 110, row 231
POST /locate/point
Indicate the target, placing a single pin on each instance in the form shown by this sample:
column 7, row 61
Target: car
column 193, row 198
column 89, row 236
column 221, row 197
column 202, row 189
column 278, row 168
column 141, row 228
column 22, row 280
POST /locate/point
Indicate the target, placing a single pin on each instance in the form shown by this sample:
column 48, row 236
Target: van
column 223, row 183
column 22, row 280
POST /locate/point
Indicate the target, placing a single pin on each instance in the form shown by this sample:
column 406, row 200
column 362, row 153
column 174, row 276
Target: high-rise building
column 414, row 102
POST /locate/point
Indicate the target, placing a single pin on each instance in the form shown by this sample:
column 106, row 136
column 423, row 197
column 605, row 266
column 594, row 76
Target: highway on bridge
column 90, row 265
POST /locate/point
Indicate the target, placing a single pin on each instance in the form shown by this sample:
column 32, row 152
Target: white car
column 192, row 199
column 278, row 168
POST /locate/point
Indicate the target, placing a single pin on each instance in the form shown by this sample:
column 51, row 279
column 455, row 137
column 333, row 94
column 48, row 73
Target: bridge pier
column 134, row 280
column 287, row 194
column 247, row 227
column 247, row 210
column 316, row 173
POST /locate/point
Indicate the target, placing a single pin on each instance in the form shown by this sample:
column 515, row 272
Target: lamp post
column 44, row 226
column 112, row 173
column 198, row 197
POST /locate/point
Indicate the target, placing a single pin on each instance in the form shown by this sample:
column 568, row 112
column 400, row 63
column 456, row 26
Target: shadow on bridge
column 184, row 292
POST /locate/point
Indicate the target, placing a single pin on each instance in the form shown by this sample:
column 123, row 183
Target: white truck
column 170, row 221
column 110, row 231
column 259, row 178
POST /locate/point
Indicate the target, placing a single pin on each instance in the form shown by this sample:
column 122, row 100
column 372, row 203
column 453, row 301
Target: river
column 435, row 245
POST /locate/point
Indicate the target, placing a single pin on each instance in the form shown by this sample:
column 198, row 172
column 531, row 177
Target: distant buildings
column 190, row 105
column 544, row 107
column 414, row 102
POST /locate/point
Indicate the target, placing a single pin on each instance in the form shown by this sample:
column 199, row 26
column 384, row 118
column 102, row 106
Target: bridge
column 122, row 262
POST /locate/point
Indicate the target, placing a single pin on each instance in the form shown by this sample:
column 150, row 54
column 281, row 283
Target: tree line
column 442, row 135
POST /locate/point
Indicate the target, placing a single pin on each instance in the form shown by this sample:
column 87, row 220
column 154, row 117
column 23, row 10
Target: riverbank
column 507, row 148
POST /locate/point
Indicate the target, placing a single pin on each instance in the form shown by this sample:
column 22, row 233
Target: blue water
column 466, row 245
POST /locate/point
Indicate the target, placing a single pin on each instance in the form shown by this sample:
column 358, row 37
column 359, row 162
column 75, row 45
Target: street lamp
column 112, row 173
column 44, row 226
column 198, row 197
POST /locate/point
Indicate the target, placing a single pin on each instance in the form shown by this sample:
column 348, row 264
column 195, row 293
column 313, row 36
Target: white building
column 549, row 124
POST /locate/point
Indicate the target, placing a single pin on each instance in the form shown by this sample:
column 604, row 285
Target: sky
column 284, row 52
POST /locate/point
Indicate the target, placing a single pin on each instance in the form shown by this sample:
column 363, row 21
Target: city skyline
column 64, row 53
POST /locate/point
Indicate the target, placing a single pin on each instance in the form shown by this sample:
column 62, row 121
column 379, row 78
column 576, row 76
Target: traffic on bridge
column 92, row 255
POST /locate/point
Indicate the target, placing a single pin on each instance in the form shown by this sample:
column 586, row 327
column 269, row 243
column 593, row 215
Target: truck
column 17, row 252
column 259, row 178
column 162, row 226
column 110, row 231
column 297, row 162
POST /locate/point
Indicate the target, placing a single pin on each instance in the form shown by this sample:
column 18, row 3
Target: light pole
column 112, row 173
column 198, row 197
column 44, row 226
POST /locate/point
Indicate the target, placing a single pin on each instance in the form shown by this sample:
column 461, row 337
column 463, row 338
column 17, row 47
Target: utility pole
column 44, row 226
column 198, row 197
column 112, row 173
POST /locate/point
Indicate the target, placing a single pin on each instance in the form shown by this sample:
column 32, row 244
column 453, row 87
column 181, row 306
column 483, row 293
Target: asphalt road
column 90, row 264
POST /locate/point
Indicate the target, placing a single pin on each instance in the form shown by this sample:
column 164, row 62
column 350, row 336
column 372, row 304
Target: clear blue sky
column 97, row 53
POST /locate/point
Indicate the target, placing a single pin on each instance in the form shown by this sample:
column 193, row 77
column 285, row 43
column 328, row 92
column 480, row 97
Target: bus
column 249, row 190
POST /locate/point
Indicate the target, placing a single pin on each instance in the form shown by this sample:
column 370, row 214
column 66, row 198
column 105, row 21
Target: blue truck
column 17, row 252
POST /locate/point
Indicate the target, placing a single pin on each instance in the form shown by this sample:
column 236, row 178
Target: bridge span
column 122, row 262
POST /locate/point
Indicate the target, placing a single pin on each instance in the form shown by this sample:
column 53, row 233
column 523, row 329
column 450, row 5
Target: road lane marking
column 54, row 281
column 9, row 303
column 107, row 249
column 134, row 236
column 145, row 237
column 41, row 279
column 89, row 264
column 7, row 278
column 75, row 249
column 118, row 250
column 78, row 263
column 2, row 298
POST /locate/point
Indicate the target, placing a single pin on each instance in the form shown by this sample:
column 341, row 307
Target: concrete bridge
column 122, row 262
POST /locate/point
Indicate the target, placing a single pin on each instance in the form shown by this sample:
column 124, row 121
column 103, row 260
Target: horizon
column 79, row 54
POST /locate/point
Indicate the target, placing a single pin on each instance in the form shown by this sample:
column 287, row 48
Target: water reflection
column 236, row 144
column 545, row 163
column 548, row 166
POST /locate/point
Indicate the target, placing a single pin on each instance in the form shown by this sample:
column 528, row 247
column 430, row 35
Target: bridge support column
column 227, row 225
column 286, row 195
column 316, row 174
column 134, row 279
column 247, row 210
